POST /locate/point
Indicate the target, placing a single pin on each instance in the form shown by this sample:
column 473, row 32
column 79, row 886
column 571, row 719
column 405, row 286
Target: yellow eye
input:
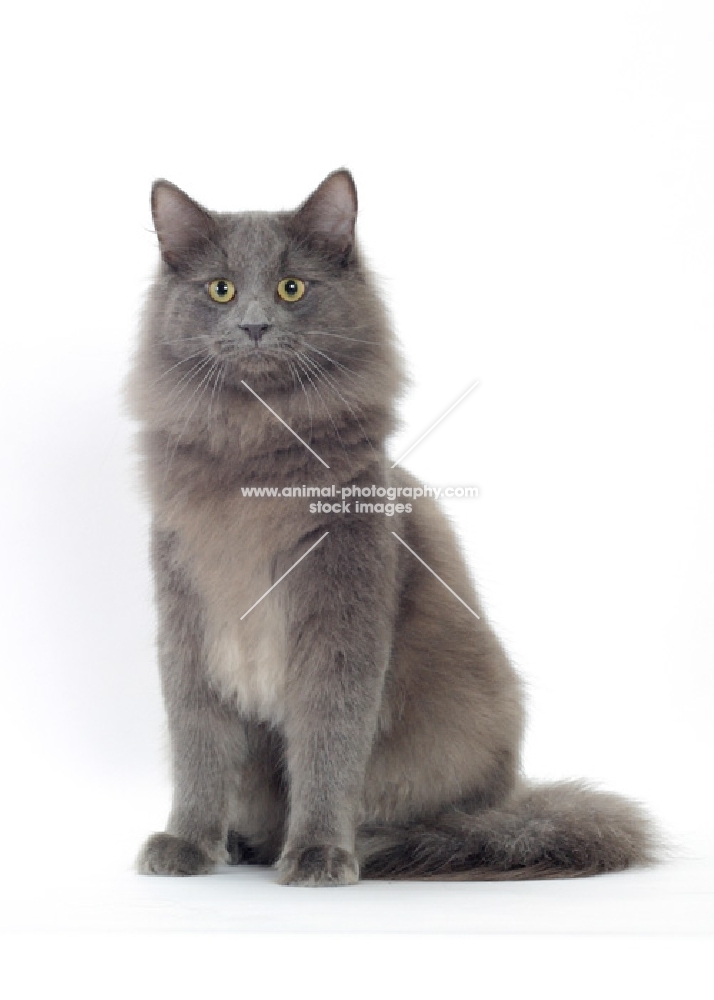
column 291, row 289
column 221, row 290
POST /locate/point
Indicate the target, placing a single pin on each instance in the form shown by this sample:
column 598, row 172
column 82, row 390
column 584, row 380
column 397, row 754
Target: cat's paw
column 164, row 854
column 318, row 865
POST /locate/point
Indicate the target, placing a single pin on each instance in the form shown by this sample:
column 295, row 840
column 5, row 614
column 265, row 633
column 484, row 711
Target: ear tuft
column 181, row 224
column 328, row 216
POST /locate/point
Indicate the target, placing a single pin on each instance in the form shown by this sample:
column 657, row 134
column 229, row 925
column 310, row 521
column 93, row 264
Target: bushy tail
column 561, row 830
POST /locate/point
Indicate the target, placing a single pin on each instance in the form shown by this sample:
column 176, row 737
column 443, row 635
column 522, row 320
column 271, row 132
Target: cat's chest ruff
column 247, row 668
column 228, row 552
column 245, row 649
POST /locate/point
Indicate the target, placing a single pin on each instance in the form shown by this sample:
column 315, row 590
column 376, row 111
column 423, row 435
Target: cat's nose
column 254, row 321
column 255, row 330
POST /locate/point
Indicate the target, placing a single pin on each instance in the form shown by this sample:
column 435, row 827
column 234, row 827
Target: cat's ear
column 327, row 218
column 182, row 225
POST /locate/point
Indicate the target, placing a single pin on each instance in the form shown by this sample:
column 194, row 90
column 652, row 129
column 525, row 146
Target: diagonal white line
column 313, row 546
column 285, row 425
column 435, row 424
column 436, row 575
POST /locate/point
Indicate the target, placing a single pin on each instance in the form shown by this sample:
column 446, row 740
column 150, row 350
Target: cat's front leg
column 207, row 737
column 340, row 617
column 196, row 833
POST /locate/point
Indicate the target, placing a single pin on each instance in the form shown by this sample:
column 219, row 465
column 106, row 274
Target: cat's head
column 277, row 305
column 266, row 297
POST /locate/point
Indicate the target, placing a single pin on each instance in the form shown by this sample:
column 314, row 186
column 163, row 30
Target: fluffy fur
column 359, row 718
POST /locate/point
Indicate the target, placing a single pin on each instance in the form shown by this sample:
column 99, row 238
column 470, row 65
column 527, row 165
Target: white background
column 536, row 186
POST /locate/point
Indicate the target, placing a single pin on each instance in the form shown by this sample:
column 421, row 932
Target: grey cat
column 359, row 719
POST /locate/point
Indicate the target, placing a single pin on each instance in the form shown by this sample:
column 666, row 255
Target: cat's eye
column 291, row 289
column 221, row 290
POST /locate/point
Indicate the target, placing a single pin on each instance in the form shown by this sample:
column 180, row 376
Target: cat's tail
column 561, row 830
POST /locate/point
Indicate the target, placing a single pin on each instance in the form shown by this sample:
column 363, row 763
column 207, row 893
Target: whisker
column 307, row 375
column 180, row 340
column 337, row 364
column 200, row 388
column 189, row 358
column 340, row 336
column 295, row 371
column 219, row 372
column 188, row 377
column 329, row 382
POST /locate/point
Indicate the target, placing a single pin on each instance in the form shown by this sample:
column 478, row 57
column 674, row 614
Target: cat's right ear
column 182, row 225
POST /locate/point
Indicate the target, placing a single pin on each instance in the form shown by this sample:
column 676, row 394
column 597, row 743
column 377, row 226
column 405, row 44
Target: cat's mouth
column 256, row 357
column 251, row 355
column 259, row 362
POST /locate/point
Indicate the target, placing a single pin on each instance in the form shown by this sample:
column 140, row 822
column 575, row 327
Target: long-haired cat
column 359, row 719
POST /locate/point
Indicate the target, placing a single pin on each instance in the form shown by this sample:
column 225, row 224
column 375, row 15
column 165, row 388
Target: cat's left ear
column 327, row 218
column 182, row 225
